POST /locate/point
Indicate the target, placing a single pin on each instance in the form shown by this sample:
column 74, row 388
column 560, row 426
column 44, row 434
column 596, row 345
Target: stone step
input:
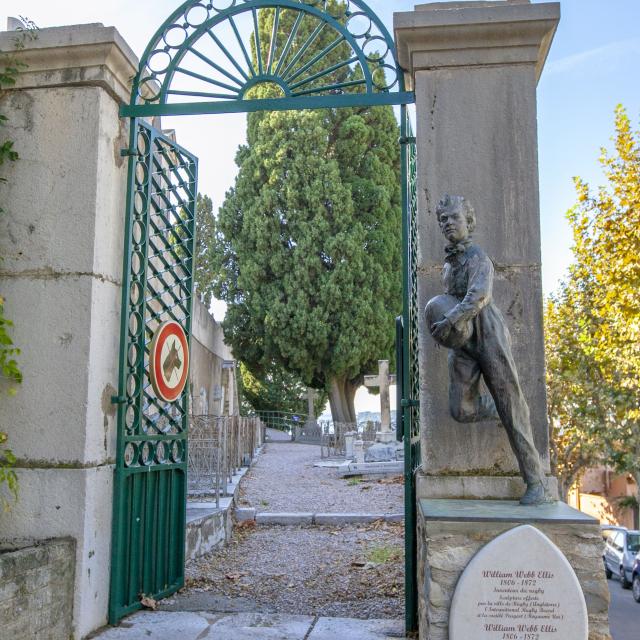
column 186, row 625
column 307, row 518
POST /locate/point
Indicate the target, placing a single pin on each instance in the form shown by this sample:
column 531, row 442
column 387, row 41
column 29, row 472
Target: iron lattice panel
column 414, row 364
column 151, row 461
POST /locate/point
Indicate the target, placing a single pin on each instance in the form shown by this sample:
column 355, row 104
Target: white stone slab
column 520, row 586
column 163, row 625
column 350, row 629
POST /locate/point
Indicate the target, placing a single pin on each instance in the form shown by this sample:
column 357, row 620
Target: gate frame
column 331, row 96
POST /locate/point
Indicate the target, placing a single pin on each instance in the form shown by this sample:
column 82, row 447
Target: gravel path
column 284, row 479
column 351, row 571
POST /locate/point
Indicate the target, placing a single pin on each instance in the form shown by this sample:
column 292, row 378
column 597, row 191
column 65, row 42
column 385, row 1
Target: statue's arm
column 479, row 290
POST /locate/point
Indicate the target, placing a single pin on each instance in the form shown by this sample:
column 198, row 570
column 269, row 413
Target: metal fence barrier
column 308, row 433
column 283, row 421
column 218, row 447
column 332, row 438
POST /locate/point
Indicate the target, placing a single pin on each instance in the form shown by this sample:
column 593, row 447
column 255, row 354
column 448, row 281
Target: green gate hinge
column 407, row 140
column 409, row 403
column 125, row 153
column 118, row 399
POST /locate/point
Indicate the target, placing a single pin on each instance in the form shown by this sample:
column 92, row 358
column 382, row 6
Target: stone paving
column 249, row 626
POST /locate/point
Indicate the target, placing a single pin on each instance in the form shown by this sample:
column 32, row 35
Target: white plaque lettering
column 520, row 586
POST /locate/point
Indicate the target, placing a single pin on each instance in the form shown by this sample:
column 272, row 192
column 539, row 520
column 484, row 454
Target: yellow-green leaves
column 593, row 322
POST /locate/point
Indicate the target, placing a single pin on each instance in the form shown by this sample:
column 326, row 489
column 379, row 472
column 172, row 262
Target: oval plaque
column 169, row 361
column 519, row 586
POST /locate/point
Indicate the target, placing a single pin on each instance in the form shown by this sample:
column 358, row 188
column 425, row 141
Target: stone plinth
column 451, row 532
column 36, row 590
column 61, row 239
column 474, row 68
column 472, row 487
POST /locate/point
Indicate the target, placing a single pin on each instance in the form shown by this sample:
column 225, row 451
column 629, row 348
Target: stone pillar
column 311, row 410
column 349, row 439
column 61, row 239
column 474, row 68
column 230, row 387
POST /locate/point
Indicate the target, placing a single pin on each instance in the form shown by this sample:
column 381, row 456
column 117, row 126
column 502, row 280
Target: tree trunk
column 341, row 399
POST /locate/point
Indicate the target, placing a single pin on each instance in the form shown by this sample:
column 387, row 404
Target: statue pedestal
column 452, row 532
column 475, row 487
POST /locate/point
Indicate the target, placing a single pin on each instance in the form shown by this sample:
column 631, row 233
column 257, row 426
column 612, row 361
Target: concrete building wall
column 599, row 494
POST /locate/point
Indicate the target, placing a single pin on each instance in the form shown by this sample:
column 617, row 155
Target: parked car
column 635, row 579
column 620, row 550
column 607, row 530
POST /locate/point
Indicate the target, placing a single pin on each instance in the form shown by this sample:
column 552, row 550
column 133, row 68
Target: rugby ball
column 435, row 311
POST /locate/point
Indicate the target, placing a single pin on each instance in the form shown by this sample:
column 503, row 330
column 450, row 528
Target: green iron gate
column 408, row 387
column 151, row 465
column 207, row 58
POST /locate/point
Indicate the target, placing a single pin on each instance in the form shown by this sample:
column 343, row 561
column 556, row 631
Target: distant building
column 606, row 495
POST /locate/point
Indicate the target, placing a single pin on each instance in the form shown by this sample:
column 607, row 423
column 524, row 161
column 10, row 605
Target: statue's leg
column 501, row 377
column 466, row 403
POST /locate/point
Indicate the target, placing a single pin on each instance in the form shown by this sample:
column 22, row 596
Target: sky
column 592, row 66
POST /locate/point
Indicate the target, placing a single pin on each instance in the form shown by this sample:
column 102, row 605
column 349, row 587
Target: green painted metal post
column 410, row 370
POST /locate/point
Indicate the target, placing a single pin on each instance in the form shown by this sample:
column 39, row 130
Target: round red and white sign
column 169, row 361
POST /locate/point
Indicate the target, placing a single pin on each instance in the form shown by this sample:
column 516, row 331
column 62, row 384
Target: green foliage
column 307, row 247
column 628, row 502
column 576, row 399
column 204, row 274
column 10, row 67
column 593, row 325
column 8, row 364
column 274, row 389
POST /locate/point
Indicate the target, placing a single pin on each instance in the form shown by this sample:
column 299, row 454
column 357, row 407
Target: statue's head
column 456, row 217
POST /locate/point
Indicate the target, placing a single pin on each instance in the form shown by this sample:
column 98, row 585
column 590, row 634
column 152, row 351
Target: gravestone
column 310, row 432
column 385, row 448
column 383, row 380
column 312, row 394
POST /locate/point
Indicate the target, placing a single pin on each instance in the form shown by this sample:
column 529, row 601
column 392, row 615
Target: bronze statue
column 466, row 321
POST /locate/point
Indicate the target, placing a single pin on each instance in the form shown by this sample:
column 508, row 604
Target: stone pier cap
column 467, row 34
column 75, row 55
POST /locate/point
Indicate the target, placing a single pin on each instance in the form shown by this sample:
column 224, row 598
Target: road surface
column 624, row 613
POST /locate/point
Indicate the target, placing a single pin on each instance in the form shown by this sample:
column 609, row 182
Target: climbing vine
column 10, row 373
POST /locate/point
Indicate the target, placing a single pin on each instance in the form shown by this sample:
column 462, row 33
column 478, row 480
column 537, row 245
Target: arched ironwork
column 209, row 55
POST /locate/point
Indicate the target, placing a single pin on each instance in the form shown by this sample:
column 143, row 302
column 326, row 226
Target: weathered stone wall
column 208, row 352
column 61, row 239
column 445, row 549
column 36, row 589
column 208, row 532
